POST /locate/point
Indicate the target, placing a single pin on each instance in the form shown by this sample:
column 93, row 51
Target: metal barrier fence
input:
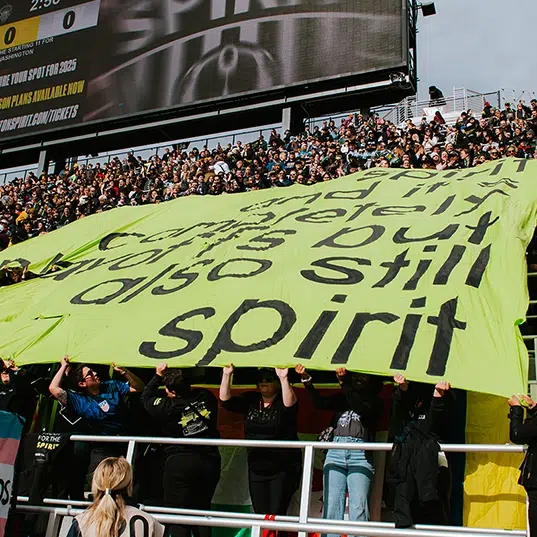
column 461, row 100
column 303, row 524
column 513, row 96
column 146, row 152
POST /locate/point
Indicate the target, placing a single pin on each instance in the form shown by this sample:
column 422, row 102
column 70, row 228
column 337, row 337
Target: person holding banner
column 16, row 393
column 419, row 470
column 109, row 515
column 270, row 413
column 357, row 411
column 524, row 431
column 100, row 403
column 191, row 473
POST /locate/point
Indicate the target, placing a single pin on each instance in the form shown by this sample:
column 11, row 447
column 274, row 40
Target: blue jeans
column 346, row 470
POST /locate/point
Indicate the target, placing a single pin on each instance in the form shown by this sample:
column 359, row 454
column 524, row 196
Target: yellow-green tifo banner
column 385, row 271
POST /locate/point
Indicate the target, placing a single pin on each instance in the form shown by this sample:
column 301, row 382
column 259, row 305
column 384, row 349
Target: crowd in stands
column 34, row 205
column 418, row 472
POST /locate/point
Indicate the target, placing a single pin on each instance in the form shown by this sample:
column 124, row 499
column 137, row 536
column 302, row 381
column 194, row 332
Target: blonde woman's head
column 112, row 481
column 113, row 476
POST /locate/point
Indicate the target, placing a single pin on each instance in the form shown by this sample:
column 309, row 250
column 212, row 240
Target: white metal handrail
column 337, row 527
column 269, row 444
column 279, row 518
column 461, row 100
column 303, row 523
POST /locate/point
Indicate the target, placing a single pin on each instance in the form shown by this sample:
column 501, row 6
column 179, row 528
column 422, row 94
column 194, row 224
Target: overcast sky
column 483, row 45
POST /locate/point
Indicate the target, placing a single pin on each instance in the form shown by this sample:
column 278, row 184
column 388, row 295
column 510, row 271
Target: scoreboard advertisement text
column 66, row 62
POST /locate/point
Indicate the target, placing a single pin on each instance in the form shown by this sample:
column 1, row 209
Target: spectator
column 100, row 403
column 270, row 413
column 16, row 393
column 109, row 515
column 191, row 473
column 418, row 468
column 524, row 431
column 357, row 414
column 436, row 97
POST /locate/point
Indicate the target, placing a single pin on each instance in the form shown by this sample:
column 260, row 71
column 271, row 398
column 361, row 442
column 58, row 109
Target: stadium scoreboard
column 69, row 62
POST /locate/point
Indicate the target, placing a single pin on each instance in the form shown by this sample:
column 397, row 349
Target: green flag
column 387, row 271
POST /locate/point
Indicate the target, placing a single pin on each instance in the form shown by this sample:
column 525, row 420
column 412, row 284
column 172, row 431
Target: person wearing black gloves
column 524, row 431
column 419, row 469
column 191, row 473
column 269, row 414
column 358, row 409
column 16, row 393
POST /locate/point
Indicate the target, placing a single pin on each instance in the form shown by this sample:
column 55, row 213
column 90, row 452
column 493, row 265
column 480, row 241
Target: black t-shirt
column 18, row 397
column 191, row 416
column 275, row 422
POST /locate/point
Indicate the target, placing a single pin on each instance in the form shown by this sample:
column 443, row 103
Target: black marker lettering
column 445, row 323
column 343, row 352
column 353, row 276
column 224, row 341
column 401, row 355
column 192, row 337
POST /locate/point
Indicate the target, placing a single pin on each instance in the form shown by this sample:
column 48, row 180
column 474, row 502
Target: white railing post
column 256, row 531
column 54, row 524
column 130, row 451
column 305, row 494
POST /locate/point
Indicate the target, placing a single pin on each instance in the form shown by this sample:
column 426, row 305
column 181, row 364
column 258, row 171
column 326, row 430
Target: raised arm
column 520, row 431
column 288, row 394
column 136, row 384
column 225, row 384
column 155, row 402
column 441, row 406
column 151, row 390
column 55, row 385
column 332, row 402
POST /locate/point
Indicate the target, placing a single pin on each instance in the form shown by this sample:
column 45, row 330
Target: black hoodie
column 194, row 415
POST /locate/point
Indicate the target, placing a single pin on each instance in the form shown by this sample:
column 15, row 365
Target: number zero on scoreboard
column 52, row 24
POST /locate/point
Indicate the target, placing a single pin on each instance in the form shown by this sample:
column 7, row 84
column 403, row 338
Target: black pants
column 532, row 514
column 408, row 509
column 272, row 493
column 86, row 457
column 189, row 482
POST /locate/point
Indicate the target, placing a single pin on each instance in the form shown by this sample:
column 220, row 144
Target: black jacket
column 420, row 410
column 418, row 422
column 525, row 432
column 19, row 397
column 192, row 416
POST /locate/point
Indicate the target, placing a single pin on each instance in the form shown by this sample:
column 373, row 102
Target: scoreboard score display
column 67, row 62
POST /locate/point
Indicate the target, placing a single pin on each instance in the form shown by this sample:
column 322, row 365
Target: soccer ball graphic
column 5, row 12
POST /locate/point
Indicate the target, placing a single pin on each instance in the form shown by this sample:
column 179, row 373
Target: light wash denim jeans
column 346, row 470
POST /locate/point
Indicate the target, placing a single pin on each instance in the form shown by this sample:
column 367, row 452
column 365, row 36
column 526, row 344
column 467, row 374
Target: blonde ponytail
column 112, row 479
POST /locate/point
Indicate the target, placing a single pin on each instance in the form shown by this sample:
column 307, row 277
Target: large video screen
column 66, row 62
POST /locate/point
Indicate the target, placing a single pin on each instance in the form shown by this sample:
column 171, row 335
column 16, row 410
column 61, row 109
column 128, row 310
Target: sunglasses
column 90, row 374
column 266, row 379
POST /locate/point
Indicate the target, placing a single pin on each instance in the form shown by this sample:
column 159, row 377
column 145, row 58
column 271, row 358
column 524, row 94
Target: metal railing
column 509, row 95
column 302, row 523
column 462, row 100
column 147, row 151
